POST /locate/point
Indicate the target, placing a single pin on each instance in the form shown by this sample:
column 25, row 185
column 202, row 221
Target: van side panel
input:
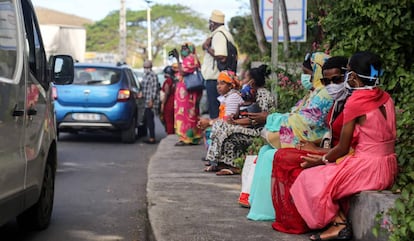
column 12, row 100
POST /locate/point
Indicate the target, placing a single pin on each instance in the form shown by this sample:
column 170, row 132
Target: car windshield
column 96, row 76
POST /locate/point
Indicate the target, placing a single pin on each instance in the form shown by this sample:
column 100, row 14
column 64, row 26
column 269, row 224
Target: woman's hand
column 307, row 146
column 311, row 160
column 259, row 118
column 245, row 122
column 203, row 123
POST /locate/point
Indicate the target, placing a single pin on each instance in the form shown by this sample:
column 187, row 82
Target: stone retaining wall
column 364, row 209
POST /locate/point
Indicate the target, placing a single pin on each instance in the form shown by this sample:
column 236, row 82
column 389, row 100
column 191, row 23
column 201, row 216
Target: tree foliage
column 170, row 25
column 242, row 28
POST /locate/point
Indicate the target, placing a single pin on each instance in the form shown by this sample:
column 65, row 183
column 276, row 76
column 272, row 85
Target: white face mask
column 337, row 91
column 367, row 87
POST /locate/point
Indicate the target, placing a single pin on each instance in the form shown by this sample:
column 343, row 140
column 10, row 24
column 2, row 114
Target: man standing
column 151, row 94
column 216, row 50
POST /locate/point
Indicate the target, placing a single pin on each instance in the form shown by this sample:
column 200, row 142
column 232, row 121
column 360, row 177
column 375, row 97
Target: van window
column 37, row 56
column 8, row 41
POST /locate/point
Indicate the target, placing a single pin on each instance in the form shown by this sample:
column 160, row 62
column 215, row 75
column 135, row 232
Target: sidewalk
column 187, row 204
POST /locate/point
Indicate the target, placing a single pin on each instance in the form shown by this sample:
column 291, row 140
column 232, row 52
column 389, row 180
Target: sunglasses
column 336, row 80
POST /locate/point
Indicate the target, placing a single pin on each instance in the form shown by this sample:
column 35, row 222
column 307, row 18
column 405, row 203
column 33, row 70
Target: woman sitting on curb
column 286, row 163
column 231, row 138
column 230, row 100
column 321, row 194
column 305, row 121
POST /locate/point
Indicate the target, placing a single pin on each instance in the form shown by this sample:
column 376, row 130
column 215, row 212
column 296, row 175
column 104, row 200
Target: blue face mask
column 305, row 79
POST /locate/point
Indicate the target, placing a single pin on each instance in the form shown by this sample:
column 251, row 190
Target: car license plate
column 86, row 116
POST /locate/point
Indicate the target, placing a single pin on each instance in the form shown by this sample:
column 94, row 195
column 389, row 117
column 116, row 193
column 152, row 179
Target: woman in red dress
column 167, row 102
column 286, row 162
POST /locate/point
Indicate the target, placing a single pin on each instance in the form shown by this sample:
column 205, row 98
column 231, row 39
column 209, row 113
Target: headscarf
column 229, row 77
column 317, row 61
column 363, row 101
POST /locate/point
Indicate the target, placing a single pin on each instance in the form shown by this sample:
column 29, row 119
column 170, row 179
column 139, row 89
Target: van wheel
column 129, row 135
column 38, row 216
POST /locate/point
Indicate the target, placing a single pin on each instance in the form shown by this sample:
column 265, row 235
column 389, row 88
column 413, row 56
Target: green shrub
column 385, row 28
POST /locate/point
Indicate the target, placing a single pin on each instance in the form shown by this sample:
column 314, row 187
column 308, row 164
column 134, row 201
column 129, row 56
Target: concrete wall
column 364, row 208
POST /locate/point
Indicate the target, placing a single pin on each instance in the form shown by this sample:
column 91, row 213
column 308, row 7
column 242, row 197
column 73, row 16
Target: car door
column 38, row 107
column 12, row 100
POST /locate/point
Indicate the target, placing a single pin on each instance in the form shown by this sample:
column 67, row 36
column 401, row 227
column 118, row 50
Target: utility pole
column 275, row 44
column 149, row 50
column 122, row 33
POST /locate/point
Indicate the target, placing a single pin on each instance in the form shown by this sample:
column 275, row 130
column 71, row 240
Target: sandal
column 181, row 143
column 228, row 171
column 343, row 234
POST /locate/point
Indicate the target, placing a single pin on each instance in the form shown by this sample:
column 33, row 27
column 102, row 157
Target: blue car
column 102, row 97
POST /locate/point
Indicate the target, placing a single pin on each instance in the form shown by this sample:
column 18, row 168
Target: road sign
column 296, row 10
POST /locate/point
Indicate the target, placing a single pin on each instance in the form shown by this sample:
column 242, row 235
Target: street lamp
column 149, row 50
column 122, row 33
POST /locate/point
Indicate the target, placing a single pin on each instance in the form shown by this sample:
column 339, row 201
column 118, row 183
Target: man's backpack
column 232, row 56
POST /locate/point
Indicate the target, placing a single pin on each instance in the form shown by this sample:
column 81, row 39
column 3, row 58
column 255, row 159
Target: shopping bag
column 194, row 81
column 247, row 179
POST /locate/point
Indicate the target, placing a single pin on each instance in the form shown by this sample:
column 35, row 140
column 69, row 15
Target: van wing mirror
column 61, row 69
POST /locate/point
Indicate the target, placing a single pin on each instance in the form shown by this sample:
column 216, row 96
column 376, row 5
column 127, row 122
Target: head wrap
column 229, row 77
column 363, row 101
column 175, row 67
column 317, row 61
column 217, row 16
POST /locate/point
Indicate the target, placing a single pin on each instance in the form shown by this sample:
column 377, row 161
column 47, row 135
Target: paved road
column 100, row 191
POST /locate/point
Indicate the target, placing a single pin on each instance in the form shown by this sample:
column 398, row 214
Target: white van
column 28, row 146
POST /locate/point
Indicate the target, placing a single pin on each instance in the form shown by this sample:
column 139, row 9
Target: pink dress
column 318, row 191
column 186, row 106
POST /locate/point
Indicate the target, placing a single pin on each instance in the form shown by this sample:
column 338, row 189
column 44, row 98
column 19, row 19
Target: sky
column 98, row 9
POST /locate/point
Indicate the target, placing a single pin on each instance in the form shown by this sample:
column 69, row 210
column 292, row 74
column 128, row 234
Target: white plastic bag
column 247, row 179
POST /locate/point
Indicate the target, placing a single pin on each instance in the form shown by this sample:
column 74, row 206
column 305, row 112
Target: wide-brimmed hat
column 217, row 16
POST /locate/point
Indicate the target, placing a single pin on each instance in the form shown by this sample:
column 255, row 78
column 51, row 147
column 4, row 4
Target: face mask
column 147, row 70
column 349, row 87
column 337, row 91
column 305, row 80
column 184, row 53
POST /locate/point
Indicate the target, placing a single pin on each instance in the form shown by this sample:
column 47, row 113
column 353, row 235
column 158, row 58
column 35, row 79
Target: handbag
column 194, row 81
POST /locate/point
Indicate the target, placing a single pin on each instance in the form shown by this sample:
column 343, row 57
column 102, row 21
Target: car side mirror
column 61, row 69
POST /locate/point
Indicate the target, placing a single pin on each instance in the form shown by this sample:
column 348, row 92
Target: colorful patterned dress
column 230, row 141
column 305, row 121
column 186, row 106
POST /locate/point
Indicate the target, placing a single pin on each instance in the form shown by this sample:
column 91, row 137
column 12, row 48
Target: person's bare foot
column 340, row 229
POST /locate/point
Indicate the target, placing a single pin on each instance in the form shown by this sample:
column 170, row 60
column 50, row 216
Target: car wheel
column 38, row 216
column 128, row 135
